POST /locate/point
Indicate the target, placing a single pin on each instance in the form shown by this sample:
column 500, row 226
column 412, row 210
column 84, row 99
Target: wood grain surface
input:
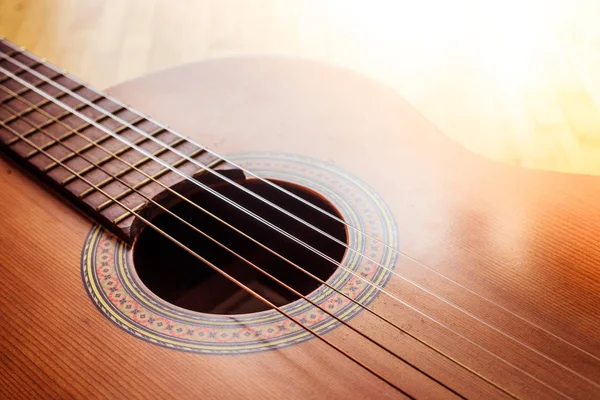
column 526, row 240
column 514, row 80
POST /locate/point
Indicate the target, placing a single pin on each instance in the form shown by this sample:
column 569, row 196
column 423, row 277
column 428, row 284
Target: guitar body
column 522, row 248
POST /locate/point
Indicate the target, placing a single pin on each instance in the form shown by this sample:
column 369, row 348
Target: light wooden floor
column 515, row 80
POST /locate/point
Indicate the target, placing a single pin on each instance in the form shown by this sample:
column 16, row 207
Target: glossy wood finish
column 514, row 80
column 526, row 240
column 77, row 131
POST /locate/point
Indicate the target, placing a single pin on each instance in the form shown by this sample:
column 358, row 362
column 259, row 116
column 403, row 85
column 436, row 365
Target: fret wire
column 90, row 145
column 29, row 109
column 316, row 229
column 275, row 206
column 320, row 231
column 57, row 119
column 62, row 137
column 241, row 285
column 37, row 84
column 121, row 217
column 11, row 55
column 32, row 66
column 87, row 123
column 111, row 155
column 155, row 177
column 35, row 65
column 271, row 204
column 457, row 284
column 25, row 88
column 46, row 123
column 285, row 211
column 214, row 163
column 66, row 135
column 6, row 77
column 394, row 297
column 256, row 294
column 275, row 253
column 127, row 170
column 358, row 230
column 224, row 198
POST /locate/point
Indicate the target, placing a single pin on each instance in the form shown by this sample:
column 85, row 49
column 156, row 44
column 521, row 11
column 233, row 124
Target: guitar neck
column 93, row 149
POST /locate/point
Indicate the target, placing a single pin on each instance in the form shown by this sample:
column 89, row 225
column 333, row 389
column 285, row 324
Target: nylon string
column 229, row 201
column 118, row 119
column 237, row 230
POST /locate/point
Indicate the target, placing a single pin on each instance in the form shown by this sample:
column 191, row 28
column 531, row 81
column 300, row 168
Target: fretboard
column 83, row 142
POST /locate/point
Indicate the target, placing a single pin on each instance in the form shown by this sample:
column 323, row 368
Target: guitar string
column 248, row 289
column 317, row 208
column 441, row 324
column 211, row 265
column 214, row 267
column 253, row 265
column 321, row 281
column 439, row 297
column 402, row 254
column 83, row 100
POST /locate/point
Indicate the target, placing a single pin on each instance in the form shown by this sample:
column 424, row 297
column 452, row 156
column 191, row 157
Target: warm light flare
column 490, row 74
column 505, row 39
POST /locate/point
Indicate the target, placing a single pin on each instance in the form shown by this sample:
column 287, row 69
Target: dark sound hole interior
column 181, row 279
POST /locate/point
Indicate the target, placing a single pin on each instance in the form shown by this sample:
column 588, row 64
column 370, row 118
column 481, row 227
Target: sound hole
column 181, row 279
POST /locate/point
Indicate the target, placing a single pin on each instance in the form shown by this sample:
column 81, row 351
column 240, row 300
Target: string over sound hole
column 181, row 279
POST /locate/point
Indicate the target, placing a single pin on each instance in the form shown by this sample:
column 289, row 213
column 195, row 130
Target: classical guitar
column 311, row 236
